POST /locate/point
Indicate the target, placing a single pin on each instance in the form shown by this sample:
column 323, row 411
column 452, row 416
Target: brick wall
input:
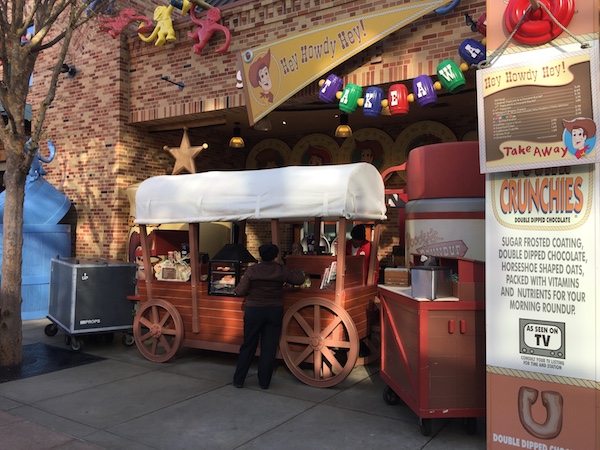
column 97, row 118
column 210, row 82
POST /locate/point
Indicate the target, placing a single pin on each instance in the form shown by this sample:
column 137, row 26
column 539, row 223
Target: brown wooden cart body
column 221, row 318
column 322, row 328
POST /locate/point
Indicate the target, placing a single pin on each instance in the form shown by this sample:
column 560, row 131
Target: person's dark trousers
column 264, row 324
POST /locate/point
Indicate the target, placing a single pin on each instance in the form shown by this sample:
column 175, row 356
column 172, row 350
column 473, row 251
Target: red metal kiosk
column 433, row 351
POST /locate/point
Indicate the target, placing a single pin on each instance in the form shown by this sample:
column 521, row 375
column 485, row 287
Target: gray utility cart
column 89, row 296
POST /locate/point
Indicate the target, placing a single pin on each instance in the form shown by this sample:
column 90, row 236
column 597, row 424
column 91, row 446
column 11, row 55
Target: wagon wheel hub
column 155, row 330
column 316, row 342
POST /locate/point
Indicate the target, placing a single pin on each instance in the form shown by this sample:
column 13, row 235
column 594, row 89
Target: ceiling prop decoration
column 375, row 102
column 185, row 154
column 300, row 59
column 530, row 21
column 450, row 77
column 446, row 9
column 206, row 28
column 114, row 26
column 162, row 32
column 535, row 22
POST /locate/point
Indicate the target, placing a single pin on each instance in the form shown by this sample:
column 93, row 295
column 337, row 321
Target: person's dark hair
column 359, row 233
column 268, row 252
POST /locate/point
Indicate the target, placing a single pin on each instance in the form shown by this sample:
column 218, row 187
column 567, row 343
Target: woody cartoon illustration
column 317, row 156
column 369, row 150
column 261, row 78
column 579, row 136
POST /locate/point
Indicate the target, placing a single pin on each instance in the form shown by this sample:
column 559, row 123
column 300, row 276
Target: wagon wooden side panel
column 220, row 319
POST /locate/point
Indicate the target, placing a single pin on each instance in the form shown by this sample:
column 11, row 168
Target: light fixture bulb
column 343, row 130
column 236, row 141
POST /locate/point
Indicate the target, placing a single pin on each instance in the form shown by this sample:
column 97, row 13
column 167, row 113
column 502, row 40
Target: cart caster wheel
column 426, row 426
column 390, row 397
column 76, row 344
column 128, row 340
column 51, row 329
column 470, row 425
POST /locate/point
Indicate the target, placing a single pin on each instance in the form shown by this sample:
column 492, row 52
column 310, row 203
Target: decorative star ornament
column 184, row 154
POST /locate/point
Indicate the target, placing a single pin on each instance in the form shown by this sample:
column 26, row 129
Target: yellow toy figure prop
column 163, row 31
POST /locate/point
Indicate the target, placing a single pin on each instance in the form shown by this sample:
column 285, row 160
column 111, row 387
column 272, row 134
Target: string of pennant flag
column 424, row 89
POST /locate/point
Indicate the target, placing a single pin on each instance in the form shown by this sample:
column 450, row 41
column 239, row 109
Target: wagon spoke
column 165, row 343
column 145, row 322
column 302, row 356
column 299, row 340
column 330, row 356
column 332, row 343
column 317, row 318
column 326, row 372
column 154, row 312
column 169, row 331
column 317, row 363
column 166, row 317
column 305, row 326
column 145, row 336
column 332, row 326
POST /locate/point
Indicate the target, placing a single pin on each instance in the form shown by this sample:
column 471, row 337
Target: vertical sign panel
column 541, row 272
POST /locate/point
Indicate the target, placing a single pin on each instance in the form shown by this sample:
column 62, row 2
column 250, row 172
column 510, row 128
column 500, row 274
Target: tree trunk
column 11, row 351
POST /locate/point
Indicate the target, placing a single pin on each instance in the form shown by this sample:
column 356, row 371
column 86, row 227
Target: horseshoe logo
column 552, row 401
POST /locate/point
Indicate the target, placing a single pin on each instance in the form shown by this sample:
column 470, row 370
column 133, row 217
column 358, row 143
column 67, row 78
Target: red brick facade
column 97, row 120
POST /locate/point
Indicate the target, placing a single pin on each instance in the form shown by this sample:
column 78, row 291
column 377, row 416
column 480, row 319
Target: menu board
column 541, row 114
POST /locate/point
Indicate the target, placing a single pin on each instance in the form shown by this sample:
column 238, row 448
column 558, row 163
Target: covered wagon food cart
column 322, row 327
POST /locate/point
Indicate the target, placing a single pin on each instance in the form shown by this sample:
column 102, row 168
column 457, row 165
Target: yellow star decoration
column 184, row 154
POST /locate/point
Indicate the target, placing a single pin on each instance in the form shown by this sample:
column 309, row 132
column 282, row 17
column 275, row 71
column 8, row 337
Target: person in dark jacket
column 263, row 283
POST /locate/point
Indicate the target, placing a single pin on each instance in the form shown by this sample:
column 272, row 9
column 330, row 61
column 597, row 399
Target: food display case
column 227, row 267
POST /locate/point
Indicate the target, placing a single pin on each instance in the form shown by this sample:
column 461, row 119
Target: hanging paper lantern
column 398, row 99
column 372, row 104
column 349, row 98
column 331, row 86
column 472, row 51
column 424, row 91
column 450, row 76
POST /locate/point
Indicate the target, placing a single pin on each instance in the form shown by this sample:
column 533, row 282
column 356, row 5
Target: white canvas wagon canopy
column 353, row 191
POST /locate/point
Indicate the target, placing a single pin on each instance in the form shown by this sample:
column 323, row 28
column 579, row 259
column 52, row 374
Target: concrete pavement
column 128, row 402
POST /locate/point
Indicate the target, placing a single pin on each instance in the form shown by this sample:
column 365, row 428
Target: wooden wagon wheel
column 158, row 330
column 319, row 342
